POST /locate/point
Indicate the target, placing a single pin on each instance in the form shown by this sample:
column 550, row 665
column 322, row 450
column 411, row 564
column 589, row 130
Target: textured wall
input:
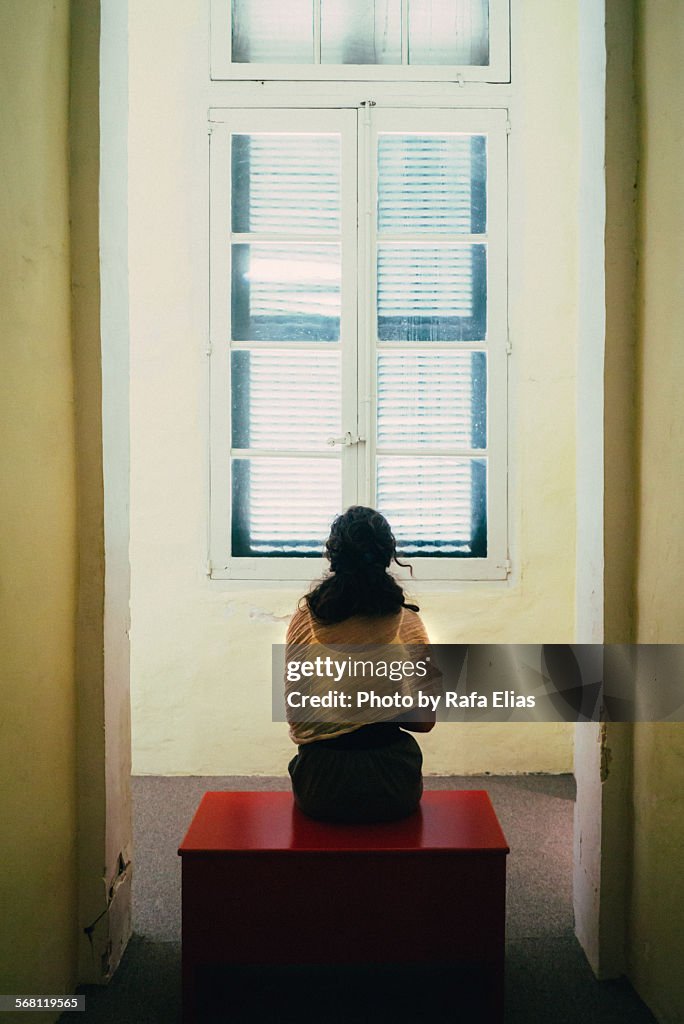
column 656, row 946
column 38, row 525
column 103, row 739
column 660, row 313
column 620, row 353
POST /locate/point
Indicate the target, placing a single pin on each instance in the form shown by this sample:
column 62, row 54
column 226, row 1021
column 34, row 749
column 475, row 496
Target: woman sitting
column 346, row 771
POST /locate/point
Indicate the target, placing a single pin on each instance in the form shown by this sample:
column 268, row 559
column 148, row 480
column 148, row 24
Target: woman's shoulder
column 299, row 629
column 412, row 628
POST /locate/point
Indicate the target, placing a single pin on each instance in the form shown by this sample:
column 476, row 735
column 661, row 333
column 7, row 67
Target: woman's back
column 356, row 770
column 403, row 626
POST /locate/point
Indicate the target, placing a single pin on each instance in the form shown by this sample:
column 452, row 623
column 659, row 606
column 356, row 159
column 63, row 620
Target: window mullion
column 351, row 455
column 366, row 293
column 466, row 479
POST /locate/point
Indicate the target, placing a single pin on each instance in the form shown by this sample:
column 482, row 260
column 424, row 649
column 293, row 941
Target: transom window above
column 415, row 39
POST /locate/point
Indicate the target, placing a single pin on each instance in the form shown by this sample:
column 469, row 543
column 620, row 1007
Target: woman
column 354, row 772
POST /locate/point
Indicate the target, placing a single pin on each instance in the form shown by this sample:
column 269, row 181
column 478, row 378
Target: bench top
column 458, row 821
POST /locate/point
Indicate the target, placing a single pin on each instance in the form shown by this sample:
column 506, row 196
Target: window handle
column 347, row 441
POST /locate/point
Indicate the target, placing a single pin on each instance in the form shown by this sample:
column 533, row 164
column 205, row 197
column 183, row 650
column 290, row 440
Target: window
column 358, row 282
column 358, row 335
column 423, row 40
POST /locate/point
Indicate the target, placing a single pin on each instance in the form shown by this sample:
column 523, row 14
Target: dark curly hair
column 360, row 549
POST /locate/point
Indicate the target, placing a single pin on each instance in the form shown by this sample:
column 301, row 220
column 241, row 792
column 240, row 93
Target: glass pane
column 432, row 399
column 429, row 293
column 449, row 32
column 432, row 183
column 272, row 32
column 286, row 183
column 285, row 400
column 360, row 32
column 436, row 506
column 284, row 506
column 286, row 292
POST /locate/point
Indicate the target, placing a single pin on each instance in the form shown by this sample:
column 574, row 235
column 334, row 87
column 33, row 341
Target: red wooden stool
column 264, row 884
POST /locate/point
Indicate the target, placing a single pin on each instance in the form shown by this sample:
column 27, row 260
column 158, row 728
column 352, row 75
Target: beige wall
column 656, row 939
column 603, row 752
column 656, row 948
column 85, row 309
column 38, row 525
column 620, row 357
column 103, row 735
column 200, row 651
column 660, row 313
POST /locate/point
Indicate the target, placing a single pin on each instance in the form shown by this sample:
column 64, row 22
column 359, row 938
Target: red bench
column 263, row 884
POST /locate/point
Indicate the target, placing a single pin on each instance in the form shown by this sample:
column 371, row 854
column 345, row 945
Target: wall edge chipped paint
column 103, row 808
column 603, row 754
column 85, row 326
column 114, row 327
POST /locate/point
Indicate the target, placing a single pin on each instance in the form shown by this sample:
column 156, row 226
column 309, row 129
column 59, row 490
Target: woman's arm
column 413, row 632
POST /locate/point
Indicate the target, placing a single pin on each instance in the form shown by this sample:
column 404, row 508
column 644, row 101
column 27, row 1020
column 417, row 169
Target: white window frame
column 358, row 461
column 498, row 69
column 494, row 124
column 223, row 123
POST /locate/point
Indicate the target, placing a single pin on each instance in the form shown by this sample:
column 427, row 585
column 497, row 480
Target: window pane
column 449, row 32
column 286, row 183
column 285, row 400
column 428, row 293
column 436, row 506
column 284, row 506
column 360, row 32
column 432, row 399
column 273, row 32
column 286, row 292
column 432, row 183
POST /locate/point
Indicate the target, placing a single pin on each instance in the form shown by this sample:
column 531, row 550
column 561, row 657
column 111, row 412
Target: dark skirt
column 370, row 775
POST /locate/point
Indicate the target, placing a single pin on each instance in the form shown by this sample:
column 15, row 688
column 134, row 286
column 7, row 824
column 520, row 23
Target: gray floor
column 547, row 977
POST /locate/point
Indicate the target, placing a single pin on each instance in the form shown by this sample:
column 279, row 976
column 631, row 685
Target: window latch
column 347, row 441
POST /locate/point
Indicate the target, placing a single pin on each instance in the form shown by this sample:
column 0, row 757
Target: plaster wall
column 111, row 931
column 660, row 318
column 85, row 325
column 38, row 552
column 656, row 941
column 656, row 935
column 200, row 649
column 619, row 510
column 603, row 839
column 103, row 735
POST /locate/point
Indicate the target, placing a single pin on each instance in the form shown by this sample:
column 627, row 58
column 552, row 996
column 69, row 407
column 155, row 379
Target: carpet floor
column 548, row 980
